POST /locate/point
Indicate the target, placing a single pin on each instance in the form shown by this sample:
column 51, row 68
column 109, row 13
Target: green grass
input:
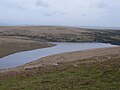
column 86, row 76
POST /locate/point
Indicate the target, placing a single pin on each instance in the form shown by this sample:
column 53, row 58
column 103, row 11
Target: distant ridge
column 97, row 27
column 86, row 27
column 5, row 24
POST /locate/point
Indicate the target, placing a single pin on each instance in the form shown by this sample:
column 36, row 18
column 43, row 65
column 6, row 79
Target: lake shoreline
column 14, row 45
column 55, row 34
column 108, row 52
column 76, row 55
column 91, row 49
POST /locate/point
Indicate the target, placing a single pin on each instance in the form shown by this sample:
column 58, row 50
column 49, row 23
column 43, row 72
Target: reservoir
column 21, row 58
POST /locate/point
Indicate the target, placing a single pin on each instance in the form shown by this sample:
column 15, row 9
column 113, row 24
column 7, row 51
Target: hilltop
column 62, row 34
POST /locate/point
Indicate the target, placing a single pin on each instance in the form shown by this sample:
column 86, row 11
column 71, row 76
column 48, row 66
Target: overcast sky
column 61, row 12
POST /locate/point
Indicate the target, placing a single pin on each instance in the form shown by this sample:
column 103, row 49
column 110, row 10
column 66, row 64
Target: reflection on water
column 21, row 58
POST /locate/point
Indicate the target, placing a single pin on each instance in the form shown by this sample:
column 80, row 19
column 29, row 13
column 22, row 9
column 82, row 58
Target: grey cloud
column 40, row 3
column 54, row 13
column 84, row 14
column 59, row 13
column 76, row 12
column 102, row 4
column 47, row 14
column 14, row 5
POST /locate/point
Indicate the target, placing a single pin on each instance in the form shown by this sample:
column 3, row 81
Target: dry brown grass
column 10, row 45
column 42, row 29
column 86, row 76
column 49, row 33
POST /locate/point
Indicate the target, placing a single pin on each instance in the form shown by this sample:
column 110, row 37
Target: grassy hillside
column 12, row 45
column 62, row 34
column 102, row 73
column 82, row 70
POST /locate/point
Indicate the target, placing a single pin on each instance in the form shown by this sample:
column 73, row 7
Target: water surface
column 21, row 58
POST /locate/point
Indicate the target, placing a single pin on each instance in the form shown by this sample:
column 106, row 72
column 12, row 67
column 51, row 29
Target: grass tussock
column 75, row 75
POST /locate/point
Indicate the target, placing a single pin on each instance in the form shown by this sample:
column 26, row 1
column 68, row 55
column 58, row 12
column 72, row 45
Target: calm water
column 21, row 58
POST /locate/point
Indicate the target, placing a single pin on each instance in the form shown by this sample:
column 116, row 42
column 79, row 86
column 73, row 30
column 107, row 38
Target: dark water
column 21, row 58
